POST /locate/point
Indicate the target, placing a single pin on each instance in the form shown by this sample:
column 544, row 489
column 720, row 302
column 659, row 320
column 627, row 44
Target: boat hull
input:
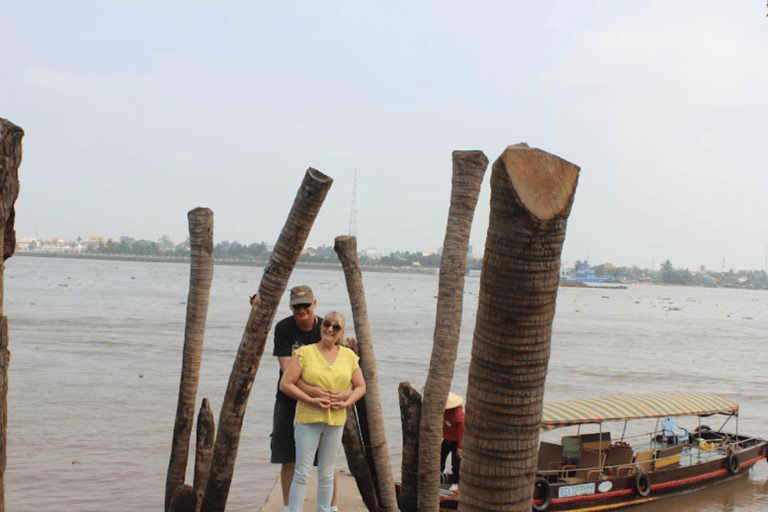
column 612, row 493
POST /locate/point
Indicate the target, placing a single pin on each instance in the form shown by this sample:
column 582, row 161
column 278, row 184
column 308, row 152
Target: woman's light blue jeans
column 325, row 440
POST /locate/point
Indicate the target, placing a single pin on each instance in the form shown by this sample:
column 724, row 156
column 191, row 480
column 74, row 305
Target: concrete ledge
column 349, row 496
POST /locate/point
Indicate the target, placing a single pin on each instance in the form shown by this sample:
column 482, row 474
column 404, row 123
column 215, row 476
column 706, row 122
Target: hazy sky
column 137, row 111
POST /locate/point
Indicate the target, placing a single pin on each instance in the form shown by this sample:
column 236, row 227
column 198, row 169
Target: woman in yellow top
column 320, row 419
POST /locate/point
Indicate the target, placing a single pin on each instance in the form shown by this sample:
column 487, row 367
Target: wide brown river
column 96, row 357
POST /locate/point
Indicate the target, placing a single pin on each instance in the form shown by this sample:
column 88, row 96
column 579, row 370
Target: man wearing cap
column 453, row 437
column 302, row 328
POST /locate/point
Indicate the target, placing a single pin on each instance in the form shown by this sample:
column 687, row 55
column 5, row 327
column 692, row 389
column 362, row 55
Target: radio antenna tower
column 353, row 213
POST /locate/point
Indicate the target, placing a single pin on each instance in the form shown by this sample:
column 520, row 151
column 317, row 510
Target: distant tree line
column 256, row 252
column 131, row 247
column 668, row 274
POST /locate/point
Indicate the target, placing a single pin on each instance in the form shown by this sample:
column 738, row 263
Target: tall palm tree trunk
column 346, row 248
column 305, row 208
column 531, row 197
column 10, row 160
column 468, row 170
column 200, row 279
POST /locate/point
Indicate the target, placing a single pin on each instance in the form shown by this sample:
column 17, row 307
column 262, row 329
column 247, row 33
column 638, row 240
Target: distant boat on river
column 585, row 275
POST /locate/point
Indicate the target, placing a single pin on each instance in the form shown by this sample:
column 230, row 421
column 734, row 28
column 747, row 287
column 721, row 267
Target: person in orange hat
column 453, row 437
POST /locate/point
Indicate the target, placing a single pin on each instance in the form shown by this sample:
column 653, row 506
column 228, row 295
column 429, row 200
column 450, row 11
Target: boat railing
column 620, row 469
column 645, row 455
column 732, row 442
column 638, row 439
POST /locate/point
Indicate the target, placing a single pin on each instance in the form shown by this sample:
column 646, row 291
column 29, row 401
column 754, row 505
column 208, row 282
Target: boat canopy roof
column 632, row 407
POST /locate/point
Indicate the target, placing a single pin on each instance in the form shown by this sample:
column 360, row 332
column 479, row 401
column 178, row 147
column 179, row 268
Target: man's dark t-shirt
column 288, row 337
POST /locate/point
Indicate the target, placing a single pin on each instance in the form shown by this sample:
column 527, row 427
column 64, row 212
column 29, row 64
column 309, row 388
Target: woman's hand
column 337, row 405
column 340, row 398
column 322, row 402
column 325, row 398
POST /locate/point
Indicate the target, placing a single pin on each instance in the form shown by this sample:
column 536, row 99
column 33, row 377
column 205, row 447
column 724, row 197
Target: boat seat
column 549, row 459
column 596, row 442
column 619, row 460
column 669, row 425
column 589, row 468
column 668, row 458
column 644, row 460
column 573, row 445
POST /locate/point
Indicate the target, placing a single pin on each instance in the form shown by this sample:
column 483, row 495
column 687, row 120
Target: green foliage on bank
column 668, row 274
column 259, row 252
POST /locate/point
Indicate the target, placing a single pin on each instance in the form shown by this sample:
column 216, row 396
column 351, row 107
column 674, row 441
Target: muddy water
column 96, row 355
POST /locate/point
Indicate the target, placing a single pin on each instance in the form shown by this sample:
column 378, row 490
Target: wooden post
column 358, row 458
column 5, row 356
column 346, row 248
column 264, row 304
column 206, row 435
column 200, row 280
column 184, row 499
column 10, row 160
column 531, row 197
column 410, row 418
column 468, row 171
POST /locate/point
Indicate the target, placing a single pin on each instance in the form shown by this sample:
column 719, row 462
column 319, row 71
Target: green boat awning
column 631, row 407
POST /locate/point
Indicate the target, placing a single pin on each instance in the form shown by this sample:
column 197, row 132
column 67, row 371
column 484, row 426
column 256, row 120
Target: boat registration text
column 576, row 490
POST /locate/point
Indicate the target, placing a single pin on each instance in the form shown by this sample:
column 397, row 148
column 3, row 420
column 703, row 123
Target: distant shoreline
column 248, row 263
column 241, row 263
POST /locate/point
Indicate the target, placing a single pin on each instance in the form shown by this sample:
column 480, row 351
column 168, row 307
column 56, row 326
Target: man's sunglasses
column 301, row 306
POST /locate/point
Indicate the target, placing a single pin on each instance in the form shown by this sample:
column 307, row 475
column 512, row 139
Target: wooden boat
column 598, row 470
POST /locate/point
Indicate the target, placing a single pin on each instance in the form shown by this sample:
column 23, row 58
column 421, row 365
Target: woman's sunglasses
column 328, row 325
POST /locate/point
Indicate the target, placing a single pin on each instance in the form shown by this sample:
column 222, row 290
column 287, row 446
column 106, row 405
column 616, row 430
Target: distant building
column 56, row 242
column 372, row 252
column 95, row 241
column 567, row 269
column 22, row 244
